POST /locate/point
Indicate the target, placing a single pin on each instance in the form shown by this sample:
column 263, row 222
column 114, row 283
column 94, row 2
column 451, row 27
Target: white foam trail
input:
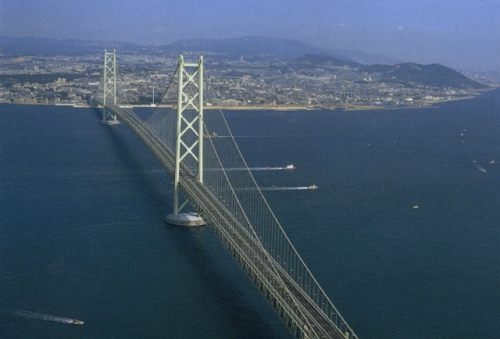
column 46, row 317
column 259, row 168
column 479, row 167
column 285, row 188
column 267, row 168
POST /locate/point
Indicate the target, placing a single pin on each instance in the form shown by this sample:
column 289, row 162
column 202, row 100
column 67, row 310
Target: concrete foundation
column 109, row 122
column 185, row 219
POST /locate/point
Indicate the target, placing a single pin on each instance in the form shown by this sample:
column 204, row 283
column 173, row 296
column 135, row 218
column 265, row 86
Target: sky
column 463, row 34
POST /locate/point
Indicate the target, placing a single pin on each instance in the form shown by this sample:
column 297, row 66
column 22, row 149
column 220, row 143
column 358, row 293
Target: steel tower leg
column 190, row 76
column 109, row 87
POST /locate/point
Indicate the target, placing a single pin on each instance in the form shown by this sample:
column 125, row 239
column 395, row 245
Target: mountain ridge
column 284, row 49
column 254, row 46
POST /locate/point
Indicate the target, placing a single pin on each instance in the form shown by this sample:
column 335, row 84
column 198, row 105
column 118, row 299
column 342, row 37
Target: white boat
column 290, row 166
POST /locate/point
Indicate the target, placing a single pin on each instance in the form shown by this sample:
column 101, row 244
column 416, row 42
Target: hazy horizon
column 460, row 34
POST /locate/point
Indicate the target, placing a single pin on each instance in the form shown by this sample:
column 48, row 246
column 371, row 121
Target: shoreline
column 277, row 108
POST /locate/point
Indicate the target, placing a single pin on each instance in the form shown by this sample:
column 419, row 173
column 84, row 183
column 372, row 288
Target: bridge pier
column 185, row 219
column 110, row 122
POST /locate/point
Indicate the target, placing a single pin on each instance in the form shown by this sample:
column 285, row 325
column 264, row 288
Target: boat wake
column 267, row 168
column 287, row 167
column 273, row 188
column 47, row 317
column 479, row 167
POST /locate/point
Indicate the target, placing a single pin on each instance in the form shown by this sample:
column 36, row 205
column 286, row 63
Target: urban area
column 143, row 79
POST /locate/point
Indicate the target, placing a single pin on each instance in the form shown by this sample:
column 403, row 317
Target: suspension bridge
column 196, row 147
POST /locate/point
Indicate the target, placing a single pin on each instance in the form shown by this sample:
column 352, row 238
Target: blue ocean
column 402, row 232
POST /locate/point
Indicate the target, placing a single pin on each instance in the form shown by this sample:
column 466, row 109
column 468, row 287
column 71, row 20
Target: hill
column 429, row 75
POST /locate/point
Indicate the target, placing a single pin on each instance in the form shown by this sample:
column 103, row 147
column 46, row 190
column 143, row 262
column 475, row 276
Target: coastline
column 428, row 103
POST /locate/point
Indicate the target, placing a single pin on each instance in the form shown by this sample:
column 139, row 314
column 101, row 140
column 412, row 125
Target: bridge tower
column 189, row 133
column 109, row 87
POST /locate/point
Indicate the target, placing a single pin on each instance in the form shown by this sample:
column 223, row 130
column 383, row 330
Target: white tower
column 109, row 87
column 190, row 76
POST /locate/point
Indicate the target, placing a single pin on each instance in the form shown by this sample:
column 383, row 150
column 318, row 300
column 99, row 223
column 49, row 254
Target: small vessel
column 312, row 187
column 77, row 322
column 290, row 166
column 213, row 135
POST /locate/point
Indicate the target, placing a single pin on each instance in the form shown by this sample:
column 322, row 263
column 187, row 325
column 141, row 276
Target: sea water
column 402, row 232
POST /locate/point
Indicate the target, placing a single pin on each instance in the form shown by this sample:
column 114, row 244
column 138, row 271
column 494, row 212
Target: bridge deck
column 301, row 314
